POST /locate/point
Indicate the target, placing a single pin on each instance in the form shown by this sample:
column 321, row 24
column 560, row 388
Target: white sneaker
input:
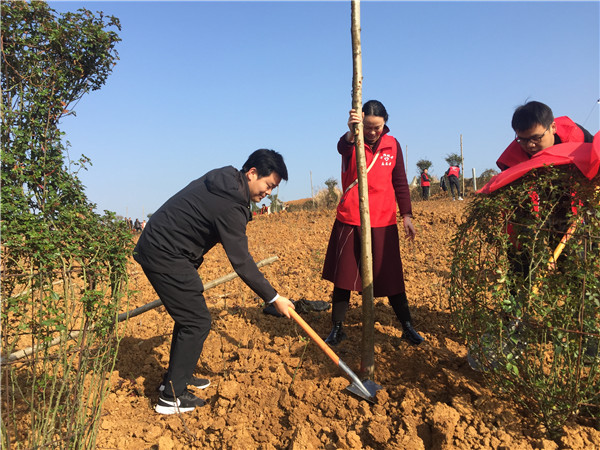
column 460, row 198
column 186, row 402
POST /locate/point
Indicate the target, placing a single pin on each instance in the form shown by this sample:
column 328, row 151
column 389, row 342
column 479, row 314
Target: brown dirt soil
column 273, row 388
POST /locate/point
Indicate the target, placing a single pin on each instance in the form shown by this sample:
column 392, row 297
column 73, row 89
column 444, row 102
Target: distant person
column 212, row 209
column 425, row 182
column 536, row 129
column 137, row 226
column 453, row 173
column 387, row 186
column 444, row 183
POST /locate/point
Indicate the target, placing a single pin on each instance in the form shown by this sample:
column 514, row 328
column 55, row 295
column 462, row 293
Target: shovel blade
column 371, row 388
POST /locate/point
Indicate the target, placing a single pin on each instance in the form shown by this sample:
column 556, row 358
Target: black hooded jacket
column 212, row 209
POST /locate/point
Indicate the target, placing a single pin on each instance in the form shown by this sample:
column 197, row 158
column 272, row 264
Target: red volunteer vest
column 382, row 197
column 566, row 129
column 424, row 179
column 454, row 170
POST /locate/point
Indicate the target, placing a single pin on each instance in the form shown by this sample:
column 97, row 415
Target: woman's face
column 372, row 128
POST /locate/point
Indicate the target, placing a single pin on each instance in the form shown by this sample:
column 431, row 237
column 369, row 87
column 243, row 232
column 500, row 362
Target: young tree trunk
column 366, row 263
column 462, row 166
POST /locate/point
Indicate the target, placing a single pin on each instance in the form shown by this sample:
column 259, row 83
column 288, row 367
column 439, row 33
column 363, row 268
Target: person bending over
column 213, row 209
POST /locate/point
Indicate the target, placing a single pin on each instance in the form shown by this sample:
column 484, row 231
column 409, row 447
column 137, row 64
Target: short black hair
column 375, row 108
column 531, row 114
column 266, row 162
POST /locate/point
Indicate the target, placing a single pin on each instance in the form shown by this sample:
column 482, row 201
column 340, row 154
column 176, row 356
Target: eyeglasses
column 533, row 139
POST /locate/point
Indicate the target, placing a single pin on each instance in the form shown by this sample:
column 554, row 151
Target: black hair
column 531, row 114
column 375, row 108
column 266, row 162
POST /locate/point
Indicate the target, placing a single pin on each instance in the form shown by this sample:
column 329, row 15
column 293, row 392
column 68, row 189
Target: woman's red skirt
column 342, row 261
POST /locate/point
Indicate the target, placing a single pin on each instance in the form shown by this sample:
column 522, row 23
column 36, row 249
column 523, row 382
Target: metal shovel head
column 371, row 388
column 363, row 389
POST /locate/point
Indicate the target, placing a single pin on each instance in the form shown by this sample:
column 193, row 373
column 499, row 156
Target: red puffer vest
column 424, row 179
column 382, row 197
column 454, row 170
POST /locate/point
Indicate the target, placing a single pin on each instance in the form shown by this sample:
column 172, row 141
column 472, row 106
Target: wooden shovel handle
column 314, row 336
column 557, row 251
column 561, row 245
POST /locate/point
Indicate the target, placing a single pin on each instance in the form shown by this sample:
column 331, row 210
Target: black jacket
column 212, row 209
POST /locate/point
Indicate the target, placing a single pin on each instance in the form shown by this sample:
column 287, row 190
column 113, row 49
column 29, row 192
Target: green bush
column 64, row 267
column 533, row 328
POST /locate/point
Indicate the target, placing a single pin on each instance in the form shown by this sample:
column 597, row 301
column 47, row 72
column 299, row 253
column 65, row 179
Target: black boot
column 410, row 334
column 337, row 334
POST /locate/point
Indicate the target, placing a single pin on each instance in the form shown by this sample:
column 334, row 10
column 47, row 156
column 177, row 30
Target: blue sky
column 201, row 85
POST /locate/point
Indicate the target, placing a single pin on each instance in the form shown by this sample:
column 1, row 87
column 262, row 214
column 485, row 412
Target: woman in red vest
column 387, row 186
column 425, row 184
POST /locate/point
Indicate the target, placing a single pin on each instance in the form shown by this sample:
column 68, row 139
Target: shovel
column 557, row 251
column 366, row 389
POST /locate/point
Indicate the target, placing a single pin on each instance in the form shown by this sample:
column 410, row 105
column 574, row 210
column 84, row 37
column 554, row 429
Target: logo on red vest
column 386, row 159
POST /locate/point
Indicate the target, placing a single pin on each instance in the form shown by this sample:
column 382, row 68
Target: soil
column 274, row 388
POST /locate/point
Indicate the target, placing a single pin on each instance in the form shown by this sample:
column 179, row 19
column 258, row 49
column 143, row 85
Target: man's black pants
column 454, row 184
column 182, row 296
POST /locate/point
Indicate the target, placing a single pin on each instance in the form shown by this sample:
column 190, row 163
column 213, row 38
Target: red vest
column 424, row 179
column 566, row 129
column 454, row 170
column 382, row 197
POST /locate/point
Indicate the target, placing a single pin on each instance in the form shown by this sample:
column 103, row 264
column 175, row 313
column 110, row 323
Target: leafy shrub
column 533, row 327
column 63, row 265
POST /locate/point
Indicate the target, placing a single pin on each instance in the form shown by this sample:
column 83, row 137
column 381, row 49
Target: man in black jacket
column 212, row 209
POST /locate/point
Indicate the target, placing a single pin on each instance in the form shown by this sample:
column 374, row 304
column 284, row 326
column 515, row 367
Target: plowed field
column 273, row 388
